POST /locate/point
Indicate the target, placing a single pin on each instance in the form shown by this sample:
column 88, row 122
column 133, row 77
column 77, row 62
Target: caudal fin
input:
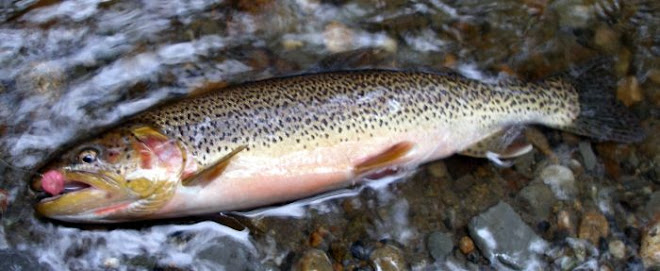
column 601, row 116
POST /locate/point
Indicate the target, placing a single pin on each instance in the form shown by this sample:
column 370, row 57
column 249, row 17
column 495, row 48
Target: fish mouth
column 81, row 196
column 70, row 186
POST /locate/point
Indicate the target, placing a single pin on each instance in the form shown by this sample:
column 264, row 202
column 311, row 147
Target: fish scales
column 320, row 110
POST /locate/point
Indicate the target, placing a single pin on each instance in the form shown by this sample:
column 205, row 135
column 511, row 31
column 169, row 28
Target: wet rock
column 466, row 245
column 505, row 239
column 653, row 205
column 588, row 156
column 15, row 260
column 440, row 245
column 650, row 248
column 573, row 15
column 617, row 248
column 338, row 37
column 524, row 164
column 314, row 259
column 537, row 199
column 628, row 91
column 237, row 258
column 388, row 258
column 439, row 170
column 593, row 227
column 561, row 181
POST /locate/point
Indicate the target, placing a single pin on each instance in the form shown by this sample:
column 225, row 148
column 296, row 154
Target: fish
column 276, row 140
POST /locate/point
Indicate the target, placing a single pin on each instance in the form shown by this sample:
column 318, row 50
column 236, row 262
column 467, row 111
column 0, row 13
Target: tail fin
column 601, row 116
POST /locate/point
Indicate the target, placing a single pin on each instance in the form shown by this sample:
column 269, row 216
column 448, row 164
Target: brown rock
column 466, row 245
column 314, row 259
column 593, row 226
column 650, row 248
column 388, row 258
column 628, row 91
column 564, row 221
column 337, row 37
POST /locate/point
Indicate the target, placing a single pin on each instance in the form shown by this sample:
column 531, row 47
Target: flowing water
column 70, row 68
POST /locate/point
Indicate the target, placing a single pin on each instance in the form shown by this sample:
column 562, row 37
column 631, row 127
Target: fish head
column 125, row 174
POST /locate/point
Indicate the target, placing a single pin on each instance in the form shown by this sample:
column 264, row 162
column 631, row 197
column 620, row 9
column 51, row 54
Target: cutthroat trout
column 283, row 139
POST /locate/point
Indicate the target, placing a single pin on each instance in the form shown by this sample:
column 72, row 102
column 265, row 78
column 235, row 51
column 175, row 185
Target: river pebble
column 503, row 238
column 561, row 181
column 314, row 260
column 388, row 258
column 588, row 156
column 593, row 227
column 617, row 248
column 466, row 245
column 650, row 249
column 440, row 245
column 537, row 199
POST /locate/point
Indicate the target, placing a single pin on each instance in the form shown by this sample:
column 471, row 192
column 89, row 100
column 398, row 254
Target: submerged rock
column 314, row 259
column 593, row 227
column 506, row 240
column 14, row 260
column 388, row 258
column 537, row 199
column 440, row 245
column 561, row 181
column 650, row 249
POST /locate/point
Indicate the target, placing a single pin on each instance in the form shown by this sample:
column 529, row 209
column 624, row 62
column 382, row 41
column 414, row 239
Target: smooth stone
column 653, row 205
column 593, row 227
column 561, row 181
column 229, row 254
column 617, row 248
column 314, row 259
column 503, row 238
column 588, row 156
column 650, row 248
column 537, row 199
column 440, row 245
column 388, row 258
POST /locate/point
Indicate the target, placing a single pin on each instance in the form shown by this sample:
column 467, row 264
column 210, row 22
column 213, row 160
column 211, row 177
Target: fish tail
column 601, row 116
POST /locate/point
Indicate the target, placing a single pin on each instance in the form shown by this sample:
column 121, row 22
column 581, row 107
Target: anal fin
column 212, row 171
column 385, row 158
column 504, row 144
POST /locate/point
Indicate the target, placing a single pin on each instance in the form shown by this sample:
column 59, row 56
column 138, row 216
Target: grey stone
column 440, row 245
column 561, row 180
column 503, row 238
column 15, row 260
column 537, row 199
column 588, row 156
column 229, row 254
column 653, row 205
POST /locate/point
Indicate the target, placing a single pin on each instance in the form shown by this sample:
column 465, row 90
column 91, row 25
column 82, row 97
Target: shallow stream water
column 70, row 68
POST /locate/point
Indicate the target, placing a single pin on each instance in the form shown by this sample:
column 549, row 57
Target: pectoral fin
column 385, row 158
column 504, row 144
column 212, row 171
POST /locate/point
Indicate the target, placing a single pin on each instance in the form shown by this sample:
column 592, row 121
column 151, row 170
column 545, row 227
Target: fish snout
column 51, row 182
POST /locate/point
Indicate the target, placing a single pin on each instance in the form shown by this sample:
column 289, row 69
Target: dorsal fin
column 213, row 170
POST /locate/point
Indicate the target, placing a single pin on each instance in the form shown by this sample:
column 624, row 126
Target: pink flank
column 53, row 182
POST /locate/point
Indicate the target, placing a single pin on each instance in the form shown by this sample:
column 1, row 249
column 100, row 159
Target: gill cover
column 126, row 174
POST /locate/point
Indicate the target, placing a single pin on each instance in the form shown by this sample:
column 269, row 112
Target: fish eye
column 88, row 156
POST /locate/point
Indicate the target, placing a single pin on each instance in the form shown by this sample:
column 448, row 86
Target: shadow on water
column 69, row 69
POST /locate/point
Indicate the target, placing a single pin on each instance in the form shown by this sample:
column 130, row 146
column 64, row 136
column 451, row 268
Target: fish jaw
column 93, row 195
